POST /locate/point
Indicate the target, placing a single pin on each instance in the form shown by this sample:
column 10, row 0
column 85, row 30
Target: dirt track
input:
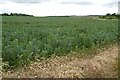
column 101, row 65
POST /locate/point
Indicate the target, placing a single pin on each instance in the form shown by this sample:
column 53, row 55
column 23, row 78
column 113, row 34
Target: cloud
column 105, row 3
column 59, row 7
column 24, row 1
column 111, row 4
column 78, row 3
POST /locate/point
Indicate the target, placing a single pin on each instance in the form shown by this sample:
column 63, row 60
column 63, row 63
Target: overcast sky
column 59, row 7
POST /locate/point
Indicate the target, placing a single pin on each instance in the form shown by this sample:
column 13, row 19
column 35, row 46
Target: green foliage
column 110, row 16
column 28, row 38
column 15, row 14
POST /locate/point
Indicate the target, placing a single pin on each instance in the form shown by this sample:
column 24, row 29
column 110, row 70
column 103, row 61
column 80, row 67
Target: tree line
column 110, row 16
column 14, row 14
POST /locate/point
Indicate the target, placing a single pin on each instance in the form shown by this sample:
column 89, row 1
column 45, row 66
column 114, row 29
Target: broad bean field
column 25, row 39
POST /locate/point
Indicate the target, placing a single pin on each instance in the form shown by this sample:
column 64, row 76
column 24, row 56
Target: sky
column 59, row 7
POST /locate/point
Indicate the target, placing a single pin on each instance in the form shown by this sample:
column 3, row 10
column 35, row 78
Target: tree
column 114, row 14
column 5, row 14
column 11, row 14
column 108, row 14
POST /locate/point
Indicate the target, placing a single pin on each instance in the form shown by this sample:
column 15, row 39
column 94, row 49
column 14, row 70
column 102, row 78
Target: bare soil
column 101, row 65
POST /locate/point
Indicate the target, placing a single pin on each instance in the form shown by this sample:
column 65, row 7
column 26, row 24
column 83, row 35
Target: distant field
column 28, row 38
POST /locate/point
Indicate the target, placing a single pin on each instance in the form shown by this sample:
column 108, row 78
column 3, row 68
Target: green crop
column 27, row 38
